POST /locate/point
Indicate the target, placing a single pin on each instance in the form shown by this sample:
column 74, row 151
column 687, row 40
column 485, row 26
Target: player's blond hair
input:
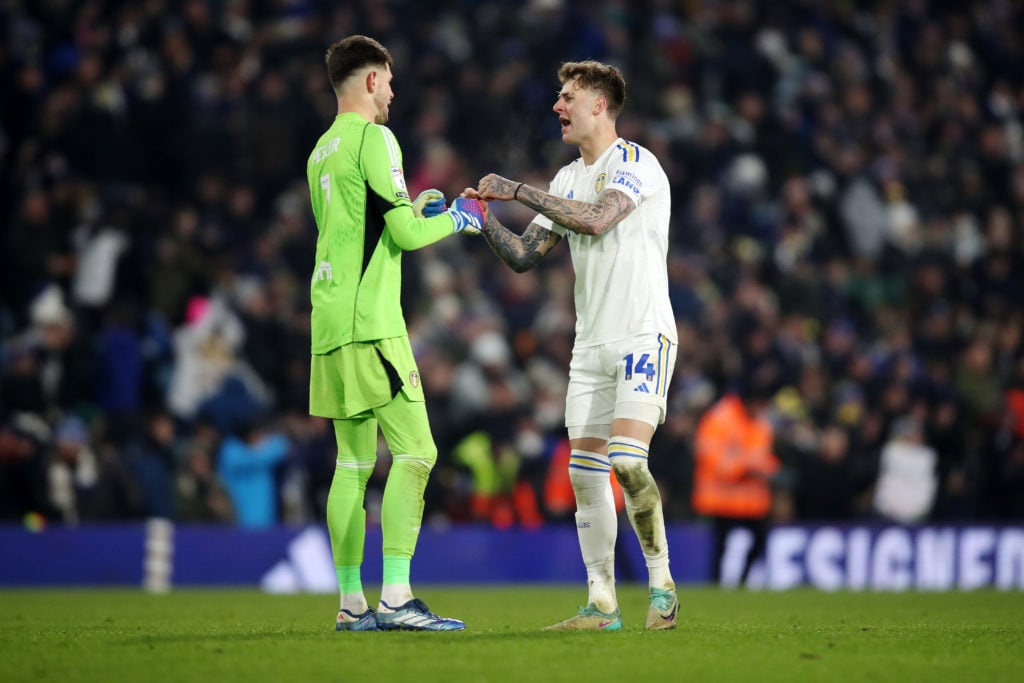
column 603, row 78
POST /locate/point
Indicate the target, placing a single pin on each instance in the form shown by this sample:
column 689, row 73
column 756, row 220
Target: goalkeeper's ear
column 429, row 203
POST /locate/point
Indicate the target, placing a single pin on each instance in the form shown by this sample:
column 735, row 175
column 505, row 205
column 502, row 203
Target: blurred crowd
column 848, row 227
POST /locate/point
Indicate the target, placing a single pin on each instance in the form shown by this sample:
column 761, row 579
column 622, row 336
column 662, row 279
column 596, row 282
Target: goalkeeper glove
column 468, row 215
column 429, row 203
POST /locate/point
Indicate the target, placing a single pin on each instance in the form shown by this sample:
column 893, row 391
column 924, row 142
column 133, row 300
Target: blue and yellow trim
column 618, row 449
column 584, row 460
column 630, row 150
column 664, row 356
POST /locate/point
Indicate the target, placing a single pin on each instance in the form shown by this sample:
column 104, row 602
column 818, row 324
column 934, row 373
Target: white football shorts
column 605, row 380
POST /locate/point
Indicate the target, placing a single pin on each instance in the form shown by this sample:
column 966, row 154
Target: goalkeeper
column 362, row 372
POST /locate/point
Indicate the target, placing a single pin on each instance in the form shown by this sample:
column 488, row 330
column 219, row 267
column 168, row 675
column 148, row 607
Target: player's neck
column 593, row 147
column 354, row 105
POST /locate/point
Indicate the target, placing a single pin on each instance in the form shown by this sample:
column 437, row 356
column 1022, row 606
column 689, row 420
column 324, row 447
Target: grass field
column 224, row 635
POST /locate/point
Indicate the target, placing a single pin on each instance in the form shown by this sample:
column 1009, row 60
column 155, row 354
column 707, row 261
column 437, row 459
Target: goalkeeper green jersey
column 365, row 221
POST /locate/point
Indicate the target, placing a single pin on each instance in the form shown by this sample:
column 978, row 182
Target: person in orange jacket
column 734, row 468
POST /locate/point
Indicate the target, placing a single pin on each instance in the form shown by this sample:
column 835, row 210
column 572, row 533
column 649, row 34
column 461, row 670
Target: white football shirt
column 621, row 288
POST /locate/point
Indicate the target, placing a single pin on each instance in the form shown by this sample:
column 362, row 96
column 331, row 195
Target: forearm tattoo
column 580, row 217
column 520, row 253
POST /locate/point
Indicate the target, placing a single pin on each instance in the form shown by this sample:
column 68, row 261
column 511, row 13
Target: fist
column 494, row 186
column 429, row 203
column 468, row 215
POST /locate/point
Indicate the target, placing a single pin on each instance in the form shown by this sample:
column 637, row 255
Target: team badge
column 414, row 379
column 599, row 183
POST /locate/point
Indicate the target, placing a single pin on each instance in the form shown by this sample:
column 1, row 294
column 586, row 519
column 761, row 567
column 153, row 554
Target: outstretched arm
column 521, row 253
column 585, row 218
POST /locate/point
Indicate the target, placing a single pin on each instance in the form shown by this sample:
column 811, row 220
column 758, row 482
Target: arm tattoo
column 520, row 253
column 582, row 217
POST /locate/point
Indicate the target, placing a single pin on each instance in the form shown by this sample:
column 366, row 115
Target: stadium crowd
column 848, row 230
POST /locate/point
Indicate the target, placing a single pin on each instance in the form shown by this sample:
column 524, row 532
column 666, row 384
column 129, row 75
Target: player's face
column 383, row 95
column 575, row 112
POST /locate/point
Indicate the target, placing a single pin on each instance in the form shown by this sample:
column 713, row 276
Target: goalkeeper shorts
column 361, row 376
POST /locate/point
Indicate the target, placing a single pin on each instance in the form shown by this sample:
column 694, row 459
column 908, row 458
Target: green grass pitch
column 243, row 635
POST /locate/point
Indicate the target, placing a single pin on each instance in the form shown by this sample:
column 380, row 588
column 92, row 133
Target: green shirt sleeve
column 382, row 167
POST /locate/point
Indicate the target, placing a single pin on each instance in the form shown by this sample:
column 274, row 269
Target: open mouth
column 564, row 122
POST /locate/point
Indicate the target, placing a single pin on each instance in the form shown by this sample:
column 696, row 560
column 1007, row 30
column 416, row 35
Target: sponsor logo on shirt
column 628, row 181
column 399, row 178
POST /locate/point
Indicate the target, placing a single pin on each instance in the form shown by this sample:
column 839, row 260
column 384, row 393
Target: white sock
column 395, row 595
column 643, row 505
column 596, row 525
column 354, row 603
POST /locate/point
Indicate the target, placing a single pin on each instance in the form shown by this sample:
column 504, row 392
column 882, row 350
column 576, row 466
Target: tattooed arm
column 585, row 218
column 519, row 253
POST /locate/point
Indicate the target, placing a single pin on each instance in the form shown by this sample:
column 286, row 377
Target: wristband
column 515, row 195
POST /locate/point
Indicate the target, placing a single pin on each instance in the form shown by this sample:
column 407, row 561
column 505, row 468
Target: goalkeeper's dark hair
column 348, row 55
column 603, row 78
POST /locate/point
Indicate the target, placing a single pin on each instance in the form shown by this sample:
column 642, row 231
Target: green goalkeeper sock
column 349, row 579
column 396, row 590
column 396, row 570
column 350, row 586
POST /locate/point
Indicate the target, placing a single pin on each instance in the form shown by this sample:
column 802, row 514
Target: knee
column 634, row 477
column 430, row 455
column 424, row 467
column 590, row 490
column 422, row 455
column 423, row 461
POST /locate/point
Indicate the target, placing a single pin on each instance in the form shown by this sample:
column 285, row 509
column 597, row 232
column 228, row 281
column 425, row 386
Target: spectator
column 247, row 465
column 209, row 376
column 908, row 474
column 151, row 460
column 86, row 486
column 119, row 371
column 100, row 245
column 200, row 494
column 830, row 480
column 36, row 251
column 24, row 439
column 314, row 458
column 64, row 363
column 734, row 466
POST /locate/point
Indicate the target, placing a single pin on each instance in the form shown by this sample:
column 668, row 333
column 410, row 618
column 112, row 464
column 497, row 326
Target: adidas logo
column 309, row 567
column 323, row 272
column 643, row 389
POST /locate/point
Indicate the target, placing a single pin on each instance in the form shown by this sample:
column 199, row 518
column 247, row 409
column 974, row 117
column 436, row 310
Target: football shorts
column 603, row 379
column 358, row 377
